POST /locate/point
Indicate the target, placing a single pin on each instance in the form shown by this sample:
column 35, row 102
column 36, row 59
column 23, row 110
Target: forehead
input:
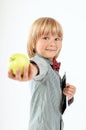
column 49, row 35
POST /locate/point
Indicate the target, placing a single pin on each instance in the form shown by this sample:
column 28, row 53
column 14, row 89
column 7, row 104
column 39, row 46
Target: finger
column 68, row 91
column 10, row 74
column 71, row 88
column 68, row 95
column 18, row 74
column 65, row 91
column 25, row 75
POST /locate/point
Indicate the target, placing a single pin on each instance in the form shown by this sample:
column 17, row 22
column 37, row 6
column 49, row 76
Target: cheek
column 60, row 46
column 39, row 47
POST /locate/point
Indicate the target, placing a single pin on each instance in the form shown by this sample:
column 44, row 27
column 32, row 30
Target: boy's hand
column 29, row 73
column 69, row 91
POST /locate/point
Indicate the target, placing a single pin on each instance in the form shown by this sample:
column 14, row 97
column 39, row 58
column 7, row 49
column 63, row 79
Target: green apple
column 18, row 60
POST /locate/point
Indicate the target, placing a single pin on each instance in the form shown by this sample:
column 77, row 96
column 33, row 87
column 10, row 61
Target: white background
column 16, row 16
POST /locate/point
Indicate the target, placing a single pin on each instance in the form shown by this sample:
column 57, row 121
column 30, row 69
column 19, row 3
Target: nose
column 52, row 43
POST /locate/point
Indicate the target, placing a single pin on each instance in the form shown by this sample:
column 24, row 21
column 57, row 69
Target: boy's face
column 49, row 46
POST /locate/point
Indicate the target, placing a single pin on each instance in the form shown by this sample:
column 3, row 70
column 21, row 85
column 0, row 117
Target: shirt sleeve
column 42, row 66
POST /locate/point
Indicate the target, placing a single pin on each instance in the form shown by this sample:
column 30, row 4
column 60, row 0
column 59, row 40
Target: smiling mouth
column 50, row 50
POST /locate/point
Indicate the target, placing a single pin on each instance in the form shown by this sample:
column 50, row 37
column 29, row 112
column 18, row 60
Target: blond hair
column 42, row 26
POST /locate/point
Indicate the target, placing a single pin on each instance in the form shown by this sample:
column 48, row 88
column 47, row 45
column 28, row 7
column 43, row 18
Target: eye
column 46, row 38
column 57, row 39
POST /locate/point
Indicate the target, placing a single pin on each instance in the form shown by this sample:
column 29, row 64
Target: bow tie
column 56, row 65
